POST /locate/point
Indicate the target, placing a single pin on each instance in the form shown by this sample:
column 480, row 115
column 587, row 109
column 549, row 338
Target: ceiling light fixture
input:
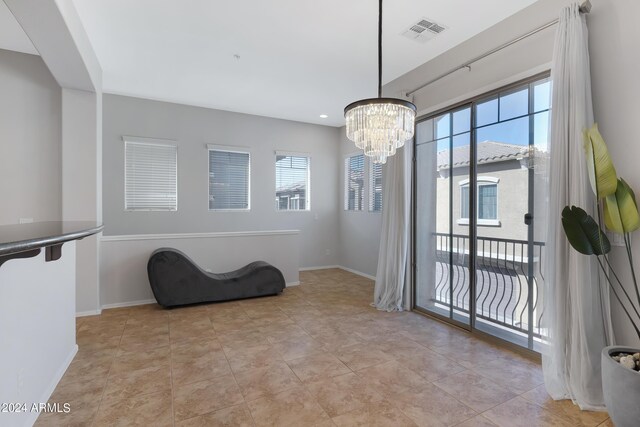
column 323, row 116
column 380, row 125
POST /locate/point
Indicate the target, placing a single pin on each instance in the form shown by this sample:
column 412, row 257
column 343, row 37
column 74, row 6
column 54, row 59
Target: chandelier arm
column 380, row 50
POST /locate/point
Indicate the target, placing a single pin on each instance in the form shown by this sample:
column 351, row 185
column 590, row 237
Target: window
column 292, row 182
column 375, row 187
column 487, row 201
column 354, row 182
column 229, row 173
column 150, row 175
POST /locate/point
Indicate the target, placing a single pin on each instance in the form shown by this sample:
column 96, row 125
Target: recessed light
column 323, row 116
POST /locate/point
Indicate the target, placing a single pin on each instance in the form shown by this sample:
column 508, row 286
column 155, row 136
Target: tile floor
column 316, row 355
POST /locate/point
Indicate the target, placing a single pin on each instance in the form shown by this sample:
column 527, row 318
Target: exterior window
column 354, row 182
column 487, row 201
column 375, row 187
column 464, row 202
column 292, row 182
column 151, row 175
column 229, row 175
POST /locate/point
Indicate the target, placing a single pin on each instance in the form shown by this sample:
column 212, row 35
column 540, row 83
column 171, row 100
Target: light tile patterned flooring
column 316, row 355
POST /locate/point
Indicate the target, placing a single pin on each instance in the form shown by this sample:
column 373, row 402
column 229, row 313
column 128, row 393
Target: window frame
column 345, row 182
column 228, row 149
column 371, row 190
column 150, row 142
column 481, row 181
column 308, row 187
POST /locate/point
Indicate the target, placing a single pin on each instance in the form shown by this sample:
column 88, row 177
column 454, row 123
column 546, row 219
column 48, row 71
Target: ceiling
column 289, row 59
column 12, row 37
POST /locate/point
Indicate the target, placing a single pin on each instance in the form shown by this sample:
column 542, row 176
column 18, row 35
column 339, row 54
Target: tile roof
column 488, row 152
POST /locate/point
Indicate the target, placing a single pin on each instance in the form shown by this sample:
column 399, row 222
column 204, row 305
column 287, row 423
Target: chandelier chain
column 380, row 50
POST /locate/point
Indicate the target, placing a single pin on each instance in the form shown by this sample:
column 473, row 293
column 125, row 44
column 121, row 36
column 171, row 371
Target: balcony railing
column 508, row 280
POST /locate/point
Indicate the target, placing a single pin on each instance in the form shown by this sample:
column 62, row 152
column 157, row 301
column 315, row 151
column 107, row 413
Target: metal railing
column 504, row 280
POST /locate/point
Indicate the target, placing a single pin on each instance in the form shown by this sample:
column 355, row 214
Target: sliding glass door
column 443, row 153
column 479, row 178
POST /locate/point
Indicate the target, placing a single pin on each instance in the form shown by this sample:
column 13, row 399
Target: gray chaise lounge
column 176, row 280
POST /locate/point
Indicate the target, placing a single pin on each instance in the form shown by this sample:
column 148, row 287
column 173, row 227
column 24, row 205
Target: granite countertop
column 25, row 237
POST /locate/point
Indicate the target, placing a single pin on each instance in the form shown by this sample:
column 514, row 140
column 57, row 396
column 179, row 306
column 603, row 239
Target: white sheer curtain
column 391, row 277
column 576, row 308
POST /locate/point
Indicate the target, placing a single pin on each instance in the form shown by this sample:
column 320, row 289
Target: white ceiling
column 298, row 58
column 12, row 37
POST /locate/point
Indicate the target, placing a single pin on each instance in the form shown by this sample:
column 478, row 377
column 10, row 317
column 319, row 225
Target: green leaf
column 602, row 173
column 583, row 232
column 612, row 219
column 620, row 210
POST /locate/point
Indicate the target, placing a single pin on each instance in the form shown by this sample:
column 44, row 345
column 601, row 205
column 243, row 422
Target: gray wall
column 615, row 64
column 30, row 140
column 193, row 128
column 359, row 230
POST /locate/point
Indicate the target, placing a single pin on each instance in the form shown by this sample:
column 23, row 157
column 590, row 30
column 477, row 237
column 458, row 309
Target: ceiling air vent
column 423, row 30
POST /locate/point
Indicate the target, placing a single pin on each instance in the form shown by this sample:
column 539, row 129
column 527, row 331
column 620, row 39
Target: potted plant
column 616, row 202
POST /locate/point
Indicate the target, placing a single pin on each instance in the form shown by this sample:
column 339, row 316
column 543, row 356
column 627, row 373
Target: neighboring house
column 291, row 197
column 502, row 261
column 502, row 190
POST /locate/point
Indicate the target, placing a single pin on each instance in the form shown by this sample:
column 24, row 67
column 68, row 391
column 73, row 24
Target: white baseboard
column 54, row 383
column 322, row 267
column 116, row 305
column 288, row 285
column 88, row 313
column 359, row 273
column 350, row 270
column 129, row 304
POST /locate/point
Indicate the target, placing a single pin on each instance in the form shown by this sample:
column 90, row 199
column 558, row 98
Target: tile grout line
column 354, row 320
column 173, row 409
column 104, row 390
column 233, row 374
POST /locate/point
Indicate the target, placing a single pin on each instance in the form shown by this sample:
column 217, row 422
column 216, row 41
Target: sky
column 500, row 119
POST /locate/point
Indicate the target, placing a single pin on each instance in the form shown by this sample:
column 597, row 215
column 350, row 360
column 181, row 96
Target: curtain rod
column 585, row 7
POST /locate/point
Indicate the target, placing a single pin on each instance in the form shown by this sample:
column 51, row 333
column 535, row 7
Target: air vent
column 423, row 30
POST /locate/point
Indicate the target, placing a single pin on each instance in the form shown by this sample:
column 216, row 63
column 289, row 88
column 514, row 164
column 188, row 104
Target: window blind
column 375, row 187
column 229, row 173
column 292, row 182
column 354, row 182
column 151, row 176
column 488, row 201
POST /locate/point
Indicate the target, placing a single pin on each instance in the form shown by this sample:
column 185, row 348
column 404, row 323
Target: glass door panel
column 443, row 147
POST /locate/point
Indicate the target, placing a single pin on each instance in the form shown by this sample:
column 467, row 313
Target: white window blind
column 229, row 174
column 375, row 187
column 354, row 182
column 487, row 199
column 151, row 176
column 292, row 182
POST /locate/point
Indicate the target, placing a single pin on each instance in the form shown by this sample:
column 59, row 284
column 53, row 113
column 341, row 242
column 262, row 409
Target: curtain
column 391, row 278
column 576, row 305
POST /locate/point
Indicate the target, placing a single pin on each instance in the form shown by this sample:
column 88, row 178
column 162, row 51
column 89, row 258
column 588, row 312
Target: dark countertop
column 25, row 237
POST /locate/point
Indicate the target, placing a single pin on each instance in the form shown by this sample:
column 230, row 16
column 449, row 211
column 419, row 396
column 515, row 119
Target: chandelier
column 379, row 126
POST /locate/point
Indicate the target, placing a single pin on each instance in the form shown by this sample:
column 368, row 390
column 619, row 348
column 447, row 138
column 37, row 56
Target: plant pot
column 621, row 387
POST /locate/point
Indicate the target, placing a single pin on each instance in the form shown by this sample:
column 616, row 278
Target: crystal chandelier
column 380, row 126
